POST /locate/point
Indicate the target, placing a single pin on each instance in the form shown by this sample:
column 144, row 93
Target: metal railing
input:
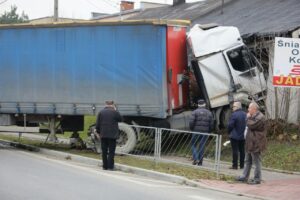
column 178, row 146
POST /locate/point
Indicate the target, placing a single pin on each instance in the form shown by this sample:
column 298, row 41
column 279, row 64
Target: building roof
column 250, row 16
column 186, row 11
column 97, row 23
column 257, row 16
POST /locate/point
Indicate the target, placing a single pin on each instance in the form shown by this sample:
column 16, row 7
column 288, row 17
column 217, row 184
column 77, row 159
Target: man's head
column 109, row 103
column 201, row 103
column 236, row 105
column 253, row 108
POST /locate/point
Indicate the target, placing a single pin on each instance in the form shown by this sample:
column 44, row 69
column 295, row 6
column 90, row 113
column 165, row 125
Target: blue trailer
column 73, row 70
column 61, row 72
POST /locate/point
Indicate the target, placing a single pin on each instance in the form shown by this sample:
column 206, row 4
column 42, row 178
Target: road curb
column 19, row 145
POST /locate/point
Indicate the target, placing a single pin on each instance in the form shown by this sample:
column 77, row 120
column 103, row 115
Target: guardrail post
column 218, row 154
column 157, row 148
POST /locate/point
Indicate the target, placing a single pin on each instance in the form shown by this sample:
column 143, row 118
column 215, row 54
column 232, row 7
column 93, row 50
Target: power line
column 91, row 3
column 107, row 2
column 3, row 2
column 114, row 4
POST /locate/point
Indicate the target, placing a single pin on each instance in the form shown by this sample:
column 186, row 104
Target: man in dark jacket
column 200, row 121
column 236, row 128
column 107, row 127
column 256, row 141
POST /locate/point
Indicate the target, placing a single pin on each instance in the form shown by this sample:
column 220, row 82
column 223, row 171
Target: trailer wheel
column 225, row 116
column 127, row 140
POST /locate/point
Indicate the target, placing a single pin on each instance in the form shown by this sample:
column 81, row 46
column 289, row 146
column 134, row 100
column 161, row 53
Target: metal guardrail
column 177, row 146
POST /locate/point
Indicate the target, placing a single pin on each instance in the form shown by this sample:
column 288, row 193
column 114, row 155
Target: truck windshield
column 241, row 59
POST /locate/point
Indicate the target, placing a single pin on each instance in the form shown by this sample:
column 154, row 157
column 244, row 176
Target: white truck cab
column 225, row 69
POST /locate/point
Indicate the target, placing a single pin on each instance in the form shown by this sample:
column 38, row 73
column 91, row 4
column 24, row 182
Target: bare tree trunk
column 287, row 103
column 276, row 103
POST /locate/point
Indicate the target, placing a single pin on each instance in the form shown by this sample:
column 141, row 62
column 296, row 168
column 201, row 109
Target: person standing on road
column 256, row 142
column 236, row 128
column 108, row 129
column 200, row 121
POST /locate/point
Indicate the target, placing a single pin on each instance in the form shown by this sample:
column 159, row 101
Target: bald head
column 109, row 102
column 253, row 108
column 236, row 105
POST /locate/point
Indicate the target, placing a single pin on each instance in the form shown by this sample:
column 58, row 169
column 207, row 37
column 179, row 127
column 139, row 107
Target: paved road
column 275, row 185
column 32, row 176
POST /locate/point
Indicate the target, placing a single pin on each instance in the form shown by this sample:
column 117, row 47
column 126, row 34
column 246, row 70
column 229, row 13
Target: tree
column 12, row 17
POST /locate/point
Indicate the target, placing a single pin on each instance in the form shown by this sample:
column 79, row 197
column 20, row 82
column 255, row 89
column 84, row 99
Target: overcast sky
column 78, row 9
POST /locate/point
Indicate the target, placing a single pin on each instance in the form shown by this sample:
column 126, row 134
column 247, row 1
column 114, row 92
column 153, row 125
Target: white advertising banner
column 286, row 71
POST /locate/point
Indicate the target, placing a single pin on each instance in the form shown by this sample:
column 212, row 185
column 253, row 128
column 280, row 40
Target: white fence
column 178, row 146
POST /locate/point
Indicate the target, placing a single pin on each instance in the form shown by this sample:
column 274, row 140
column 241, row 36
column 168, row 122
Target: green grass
column 284, row 156
column 188, row 172
column 279, row 155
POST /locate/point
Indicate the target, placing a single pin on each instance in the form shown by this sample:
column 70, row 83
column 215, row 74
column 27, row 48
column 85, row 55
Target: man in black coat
column 236, row 129
column 107, row 127
column 200, row 121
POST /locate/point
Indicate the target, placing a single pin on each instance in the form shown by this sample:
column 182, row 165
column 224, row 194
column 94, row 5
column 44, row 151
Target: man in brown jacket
column 256, row 142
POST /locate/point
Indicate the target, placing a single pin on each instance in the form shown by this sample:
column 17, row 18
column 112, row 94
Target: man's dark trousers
column 108, row 147
column 238, row 146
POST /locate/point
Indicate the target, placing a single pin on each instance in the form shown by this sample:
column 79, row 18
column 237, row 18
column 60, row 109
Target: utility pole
column 222, row 7
column 55, row 16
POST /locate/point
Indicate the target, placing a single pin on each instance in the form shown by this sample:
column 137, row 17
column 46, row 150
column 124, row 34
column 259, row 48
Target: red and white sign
column 286, row 62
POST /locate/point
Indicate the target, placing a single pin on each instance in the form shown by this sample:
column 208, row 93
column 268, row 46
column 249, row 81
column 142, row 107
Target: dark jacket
column 201, row 121
column 107, row 123
column 256, row 138
column 237, row 125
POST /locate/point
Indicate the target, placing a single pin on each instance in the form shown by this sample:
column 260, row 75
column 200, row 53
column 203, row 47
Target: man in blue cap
column 201, row 121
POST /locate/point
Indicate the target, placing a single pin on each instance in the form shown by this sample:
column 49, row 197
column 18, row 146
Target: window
column 241, row 59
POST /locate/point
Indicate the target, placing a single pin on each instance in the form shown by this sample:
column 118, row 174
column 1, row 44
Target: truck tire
column 127, row 139
column 225, row 116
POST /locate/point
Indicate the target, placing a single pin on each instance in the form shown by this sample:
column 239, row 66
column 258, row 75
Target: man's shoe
column 195, row 162
column 241, row 179
column 199, row 163
column 233, row 167
column 253, row 182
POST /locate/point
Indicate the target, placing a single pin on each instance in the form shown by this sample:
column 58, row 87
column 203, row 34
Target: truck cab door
column 247, row 73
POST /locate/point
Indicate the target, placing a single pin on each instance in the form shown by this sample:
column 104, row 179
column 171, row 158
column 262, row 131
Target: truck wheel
column 225, row 116
column 127, row 139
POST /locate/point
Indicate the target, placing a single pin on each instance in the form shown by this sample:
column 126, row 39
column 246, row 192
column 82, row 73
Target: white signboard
column 286, row 62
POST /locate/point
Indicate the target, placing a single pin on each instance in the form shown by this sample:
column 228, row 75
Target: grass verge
column 279, row 155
